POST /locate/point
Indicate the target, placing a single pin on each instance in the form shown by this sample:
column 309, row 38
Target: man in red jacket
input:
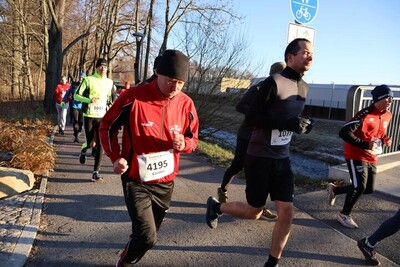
column 363, row 138
column 62, row 110
column 159, row 122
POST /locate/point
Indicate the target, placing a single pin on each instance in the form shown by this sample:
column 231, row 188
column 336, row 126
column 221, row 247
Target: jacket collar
column 290, row 73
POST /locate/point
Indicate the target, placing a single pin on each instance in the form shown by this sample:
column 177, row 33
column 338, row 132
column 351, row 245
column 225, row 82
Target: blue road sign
column 304, row 11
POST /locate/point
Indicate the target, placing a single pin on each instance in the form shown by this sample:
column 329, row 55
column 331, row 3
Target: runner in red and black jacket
column 159, row 122
column 150, row 120
column 364, row 135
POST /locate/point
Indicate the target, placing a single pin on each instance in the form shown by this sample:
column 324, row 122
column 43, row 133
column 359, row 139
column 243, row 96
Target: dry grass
column 25, row 130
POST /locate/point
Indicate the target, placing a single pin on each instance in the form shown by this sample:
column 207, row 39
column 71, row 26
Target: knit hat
column 276, row 67
column 156, row 61
column 174, row 64
column 82, row 74
column 381, row 92
column 101, row 61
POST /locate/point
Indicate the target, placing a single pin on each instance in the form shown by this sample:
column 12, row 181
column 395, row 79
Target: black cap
column 381, row 92
column 156, row 61
column 101, row 61
column 174, row 64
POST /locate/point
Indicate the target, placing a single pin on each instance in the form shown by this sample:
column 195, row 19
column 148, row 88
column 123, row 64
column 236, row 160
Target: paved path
column 86, row 224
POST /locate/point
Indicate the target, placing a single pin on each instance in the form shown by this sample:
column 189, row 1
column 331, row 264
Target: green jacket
column 94, row 86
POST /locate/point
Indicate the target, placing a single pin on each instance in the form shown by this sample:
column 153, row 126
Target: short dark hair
column 294, row 47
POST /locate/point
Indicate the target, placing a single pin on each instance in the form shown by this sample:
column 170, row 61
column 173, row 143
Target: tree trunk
column 149, row 26
column 55, row 63
column 16, row 64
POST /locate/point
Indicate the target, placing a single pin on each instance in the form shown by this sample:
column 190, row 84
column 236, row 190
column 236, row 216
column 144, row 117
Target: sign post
column 304, row 11
column 299, row 31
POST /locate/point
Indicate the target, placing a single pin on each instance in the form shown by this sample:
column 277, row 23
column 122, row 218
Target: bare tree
column 149, row 33
column 43, row 40
column 18, row 47
column 216, row 13
column 55, row 59
column 209, row 66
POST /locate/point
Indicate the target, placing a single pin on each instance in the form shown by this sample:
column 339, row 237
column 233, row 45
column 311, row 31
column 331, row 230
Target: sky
column 356, row 41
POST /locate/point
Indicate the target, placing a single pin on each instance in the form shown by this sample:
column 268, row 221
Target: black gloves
column 299, row 125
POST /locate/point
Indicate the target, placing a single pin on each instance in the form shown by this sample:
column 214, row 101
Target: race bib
column 280, row 138
column 155, row 166
column 98, row 109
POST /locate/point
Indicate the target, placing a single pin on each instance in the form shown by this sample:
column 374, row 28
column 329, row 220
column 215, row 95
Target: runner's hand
column 299, row 125
column 120, row 166
column 178, row 141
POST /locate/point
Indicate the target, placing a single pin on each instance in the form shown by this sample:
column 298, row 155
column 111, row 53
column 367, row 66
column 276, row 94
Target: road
column 86, row 224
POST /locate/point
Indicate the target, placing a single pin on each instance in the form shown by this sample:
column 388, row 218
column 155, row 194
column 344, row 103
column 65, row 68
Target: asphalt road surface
column 86, row 224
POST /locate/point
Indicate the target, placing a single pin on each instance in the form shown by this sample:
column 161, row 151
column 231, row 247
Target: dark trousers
column 237, row 163
column 92, row 134
column 386, row 229
column 362, row 175
column 77, row 122
column 146, row 204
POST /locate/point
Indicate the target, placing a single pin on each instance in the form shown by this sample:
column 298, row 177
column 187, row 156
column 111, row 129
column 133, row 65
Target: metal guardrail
column 359, row 97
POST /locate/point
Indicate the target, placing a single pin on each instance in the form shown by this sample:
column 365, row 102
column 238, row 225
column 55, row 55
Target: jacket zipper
column 162, row 124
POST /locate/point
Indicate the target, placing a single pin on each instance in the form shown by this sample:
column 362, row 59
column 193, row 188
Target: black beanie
column 156, row 61
column 174, row 64
column 101, row 61
column 381, row 92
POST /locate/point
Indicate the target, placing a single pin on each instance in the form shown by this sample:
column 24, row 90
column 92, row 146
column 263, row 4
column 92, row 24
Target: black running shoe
column 211, row 215
column 96, row 177
column 265, row 265
column 369, row 253
column 82, row 158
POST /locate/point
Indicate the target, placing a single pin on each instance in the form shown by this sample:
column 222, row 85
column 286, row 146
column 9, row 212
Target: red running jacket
column 367, row 124
column 149, row 120
column 60, row 91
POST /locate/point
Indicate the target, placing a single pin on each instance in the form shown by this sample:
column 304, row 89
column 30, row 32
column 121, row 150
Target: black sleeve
column 258, row 115
column 347, row 134
column 245, row 103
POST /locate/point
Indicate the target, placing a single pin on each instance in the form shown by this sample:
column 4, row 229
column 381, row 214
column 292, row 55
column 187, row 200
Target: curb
column 25, row 241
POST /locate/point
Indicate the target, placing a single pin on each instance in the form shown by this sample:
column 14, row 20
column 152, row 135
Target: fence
column 359, row 97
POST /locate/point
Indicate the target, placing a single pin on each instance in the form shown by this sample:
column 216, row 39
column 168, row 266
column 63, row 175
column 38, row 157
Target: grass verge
column 222, row 157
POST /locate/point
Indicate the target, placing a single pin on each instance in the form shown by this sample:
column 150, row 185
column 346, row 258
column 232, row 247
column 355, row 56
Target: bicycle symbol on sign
column 303, row 12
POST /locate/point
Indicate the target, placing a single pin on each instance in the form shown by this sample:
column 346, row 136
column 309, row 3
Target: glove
column 62, row 104
column 299, row 125
column 310, row 126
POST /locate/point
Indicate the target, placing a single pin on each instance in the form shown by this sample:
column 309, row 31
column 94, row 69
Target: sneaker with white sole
column 346, row 221
column 330, row 194
column 369, row 253
column 268, row 215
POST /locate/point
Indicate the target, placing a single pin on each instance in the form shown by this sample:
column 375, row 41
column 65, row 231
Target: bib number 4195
column 155, row 166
